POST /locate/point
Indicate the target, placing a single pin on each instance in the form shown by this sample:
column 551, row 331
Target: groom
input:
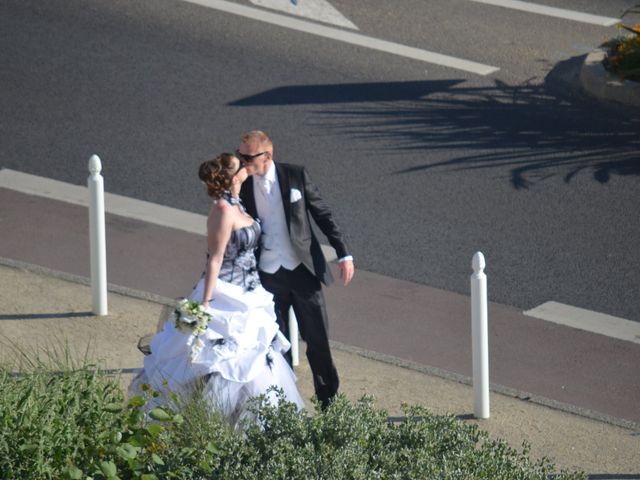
column 291, row 264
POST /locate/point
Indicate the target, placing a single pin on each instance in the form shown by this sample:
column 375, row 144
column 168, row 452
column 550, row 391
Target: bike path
column 412, row 324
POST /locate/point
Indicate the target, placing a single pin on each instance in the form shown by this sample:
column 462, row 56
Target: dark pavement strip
column 376, row 315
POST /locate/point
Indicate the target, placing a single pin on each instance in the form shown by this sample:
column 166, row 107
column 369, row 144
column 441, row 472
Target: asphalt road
column 423, row 164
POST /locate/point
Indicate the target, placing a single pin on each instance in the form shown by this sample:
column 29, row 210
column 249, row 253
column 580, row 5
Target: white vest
column 276, row 249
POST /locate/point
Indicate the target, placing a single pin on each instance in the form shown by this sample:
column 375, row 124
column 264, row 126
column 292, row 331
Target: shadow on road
column 346, row 93
column 534, row 131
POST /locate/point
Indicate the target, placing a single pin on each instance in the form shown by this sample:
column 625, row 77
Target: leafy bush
column 356, row 441
column 75, row 425
column 50, row 422
column 623, row 57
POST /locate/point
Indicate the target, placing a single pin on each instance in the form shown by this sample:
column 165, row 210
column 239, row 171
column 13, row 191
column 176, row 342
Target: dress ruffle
column 241, row 334
column 239, row 354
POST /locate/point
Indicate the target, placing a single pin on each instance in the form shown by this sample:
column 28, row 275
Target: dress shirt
column 277, row 249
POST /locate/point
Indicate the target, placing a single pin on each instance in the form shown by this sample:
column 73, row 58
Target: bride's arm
column 219, row 227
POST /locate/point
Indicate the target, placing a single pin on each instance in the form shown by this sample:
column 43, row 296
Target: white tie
column 265, row 186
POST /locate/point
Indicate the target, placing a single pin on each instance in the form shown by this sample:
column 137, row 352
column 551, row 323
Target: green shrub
column 355, row 441
column 51, row 423
column 74, row 424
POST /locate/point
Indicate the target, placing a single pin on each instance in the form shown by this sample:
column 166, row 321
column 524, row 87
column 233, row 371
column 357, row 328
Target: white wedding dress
column 240, row 354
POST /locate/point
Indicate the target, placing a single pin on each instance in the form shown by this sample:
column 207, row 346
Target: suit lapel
column 283, row 182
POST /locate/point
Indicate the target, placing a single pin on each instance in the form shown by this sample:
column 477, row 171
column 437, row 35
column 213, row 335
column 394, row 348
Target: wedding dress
column 240, row 354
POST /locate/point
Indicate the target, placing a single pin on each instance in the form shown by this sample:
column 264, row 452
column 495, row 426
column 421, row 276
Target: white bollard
column 294, row 338
column 97, row 237
column 480, row 337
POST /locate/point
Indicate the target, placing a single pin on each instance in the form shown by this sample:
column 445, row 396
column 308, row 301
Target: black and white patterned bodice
column 239, row 265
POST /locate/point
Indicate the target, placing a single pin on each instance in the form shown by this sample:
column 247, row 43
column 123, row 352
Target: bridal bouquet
column 190, row 317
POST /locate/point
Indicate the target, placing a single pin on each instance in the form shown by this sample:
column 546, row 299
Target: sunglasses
column 248, row 158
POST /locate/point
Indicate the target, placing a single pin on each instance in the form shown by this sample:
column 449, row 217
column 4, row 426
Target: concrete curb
column 379, row 357
column 599, row 83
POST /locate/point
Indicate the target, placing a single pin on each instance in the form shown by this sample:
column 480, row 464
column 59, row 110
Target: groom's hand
column 346, row 271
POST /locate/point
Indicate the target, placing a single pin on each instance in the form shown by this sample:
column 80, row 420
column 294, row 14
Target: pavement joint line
column 346, row 36
column 369, row 354
column 114, row 204
column 552, row 12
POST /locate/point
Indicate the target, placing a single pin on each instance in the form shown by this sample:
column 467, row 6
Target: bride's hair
column 218, row 173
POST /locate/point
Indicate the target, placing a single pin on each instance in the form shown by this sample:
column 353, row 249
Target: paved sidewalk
column 427, row 327
column 48, row 308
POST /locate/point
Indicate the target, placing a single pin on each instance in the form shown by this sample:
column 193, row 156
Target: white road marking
column 552, row 12
column 587, row 320
column 318, row 10
column 114, row 204
column 347, row 37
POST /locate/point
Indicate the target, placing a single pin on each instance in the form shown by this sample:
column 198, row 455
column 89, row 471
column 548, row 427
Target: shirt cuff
column 344, row 259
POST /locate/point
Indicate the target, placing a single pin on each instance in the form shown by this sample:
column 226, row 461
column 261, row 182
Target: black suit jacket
column 297, row 214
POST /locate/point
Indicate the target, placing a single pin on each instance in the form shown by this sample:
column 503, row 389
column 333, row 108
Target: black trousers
column 301, row 290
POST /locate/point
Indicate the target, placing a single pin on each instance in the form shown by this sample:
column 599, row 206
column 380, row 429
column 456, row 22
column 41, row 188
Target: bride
column 238, row 354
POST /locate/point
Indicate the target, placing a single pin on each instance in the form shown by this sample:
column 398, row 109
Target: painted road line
column 347, row 37
column 587, row 320
column 552, row 12
column 318, row 10
column 114, row 204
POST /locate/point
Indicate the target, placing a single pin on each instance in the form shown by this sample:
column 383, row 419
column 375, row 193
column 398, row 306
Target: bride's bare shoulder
column 220, row 207
column 220, row 212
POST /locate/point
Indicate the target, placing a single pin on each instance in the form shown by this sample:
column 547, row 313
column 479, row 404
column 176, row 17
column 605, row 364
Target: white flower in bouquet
column 190, row 317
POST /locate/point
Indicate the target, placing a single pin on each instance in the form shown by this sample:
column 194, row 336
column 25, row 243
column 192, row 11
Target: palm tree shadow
column 535, row 131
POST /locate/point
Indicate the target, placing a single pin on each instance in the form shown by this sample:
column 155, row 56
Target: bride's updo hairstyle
column 218, row 173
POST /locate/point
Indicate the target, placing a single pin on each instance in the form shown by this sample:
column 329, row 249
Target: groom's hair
column 217, row 174
column 258, row 135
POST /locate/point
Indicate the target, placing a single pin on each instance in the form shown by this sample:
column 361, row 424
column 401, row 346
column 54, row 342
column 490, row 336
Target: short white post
column 97, row 237
column 480, row 337
column 293, row 338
